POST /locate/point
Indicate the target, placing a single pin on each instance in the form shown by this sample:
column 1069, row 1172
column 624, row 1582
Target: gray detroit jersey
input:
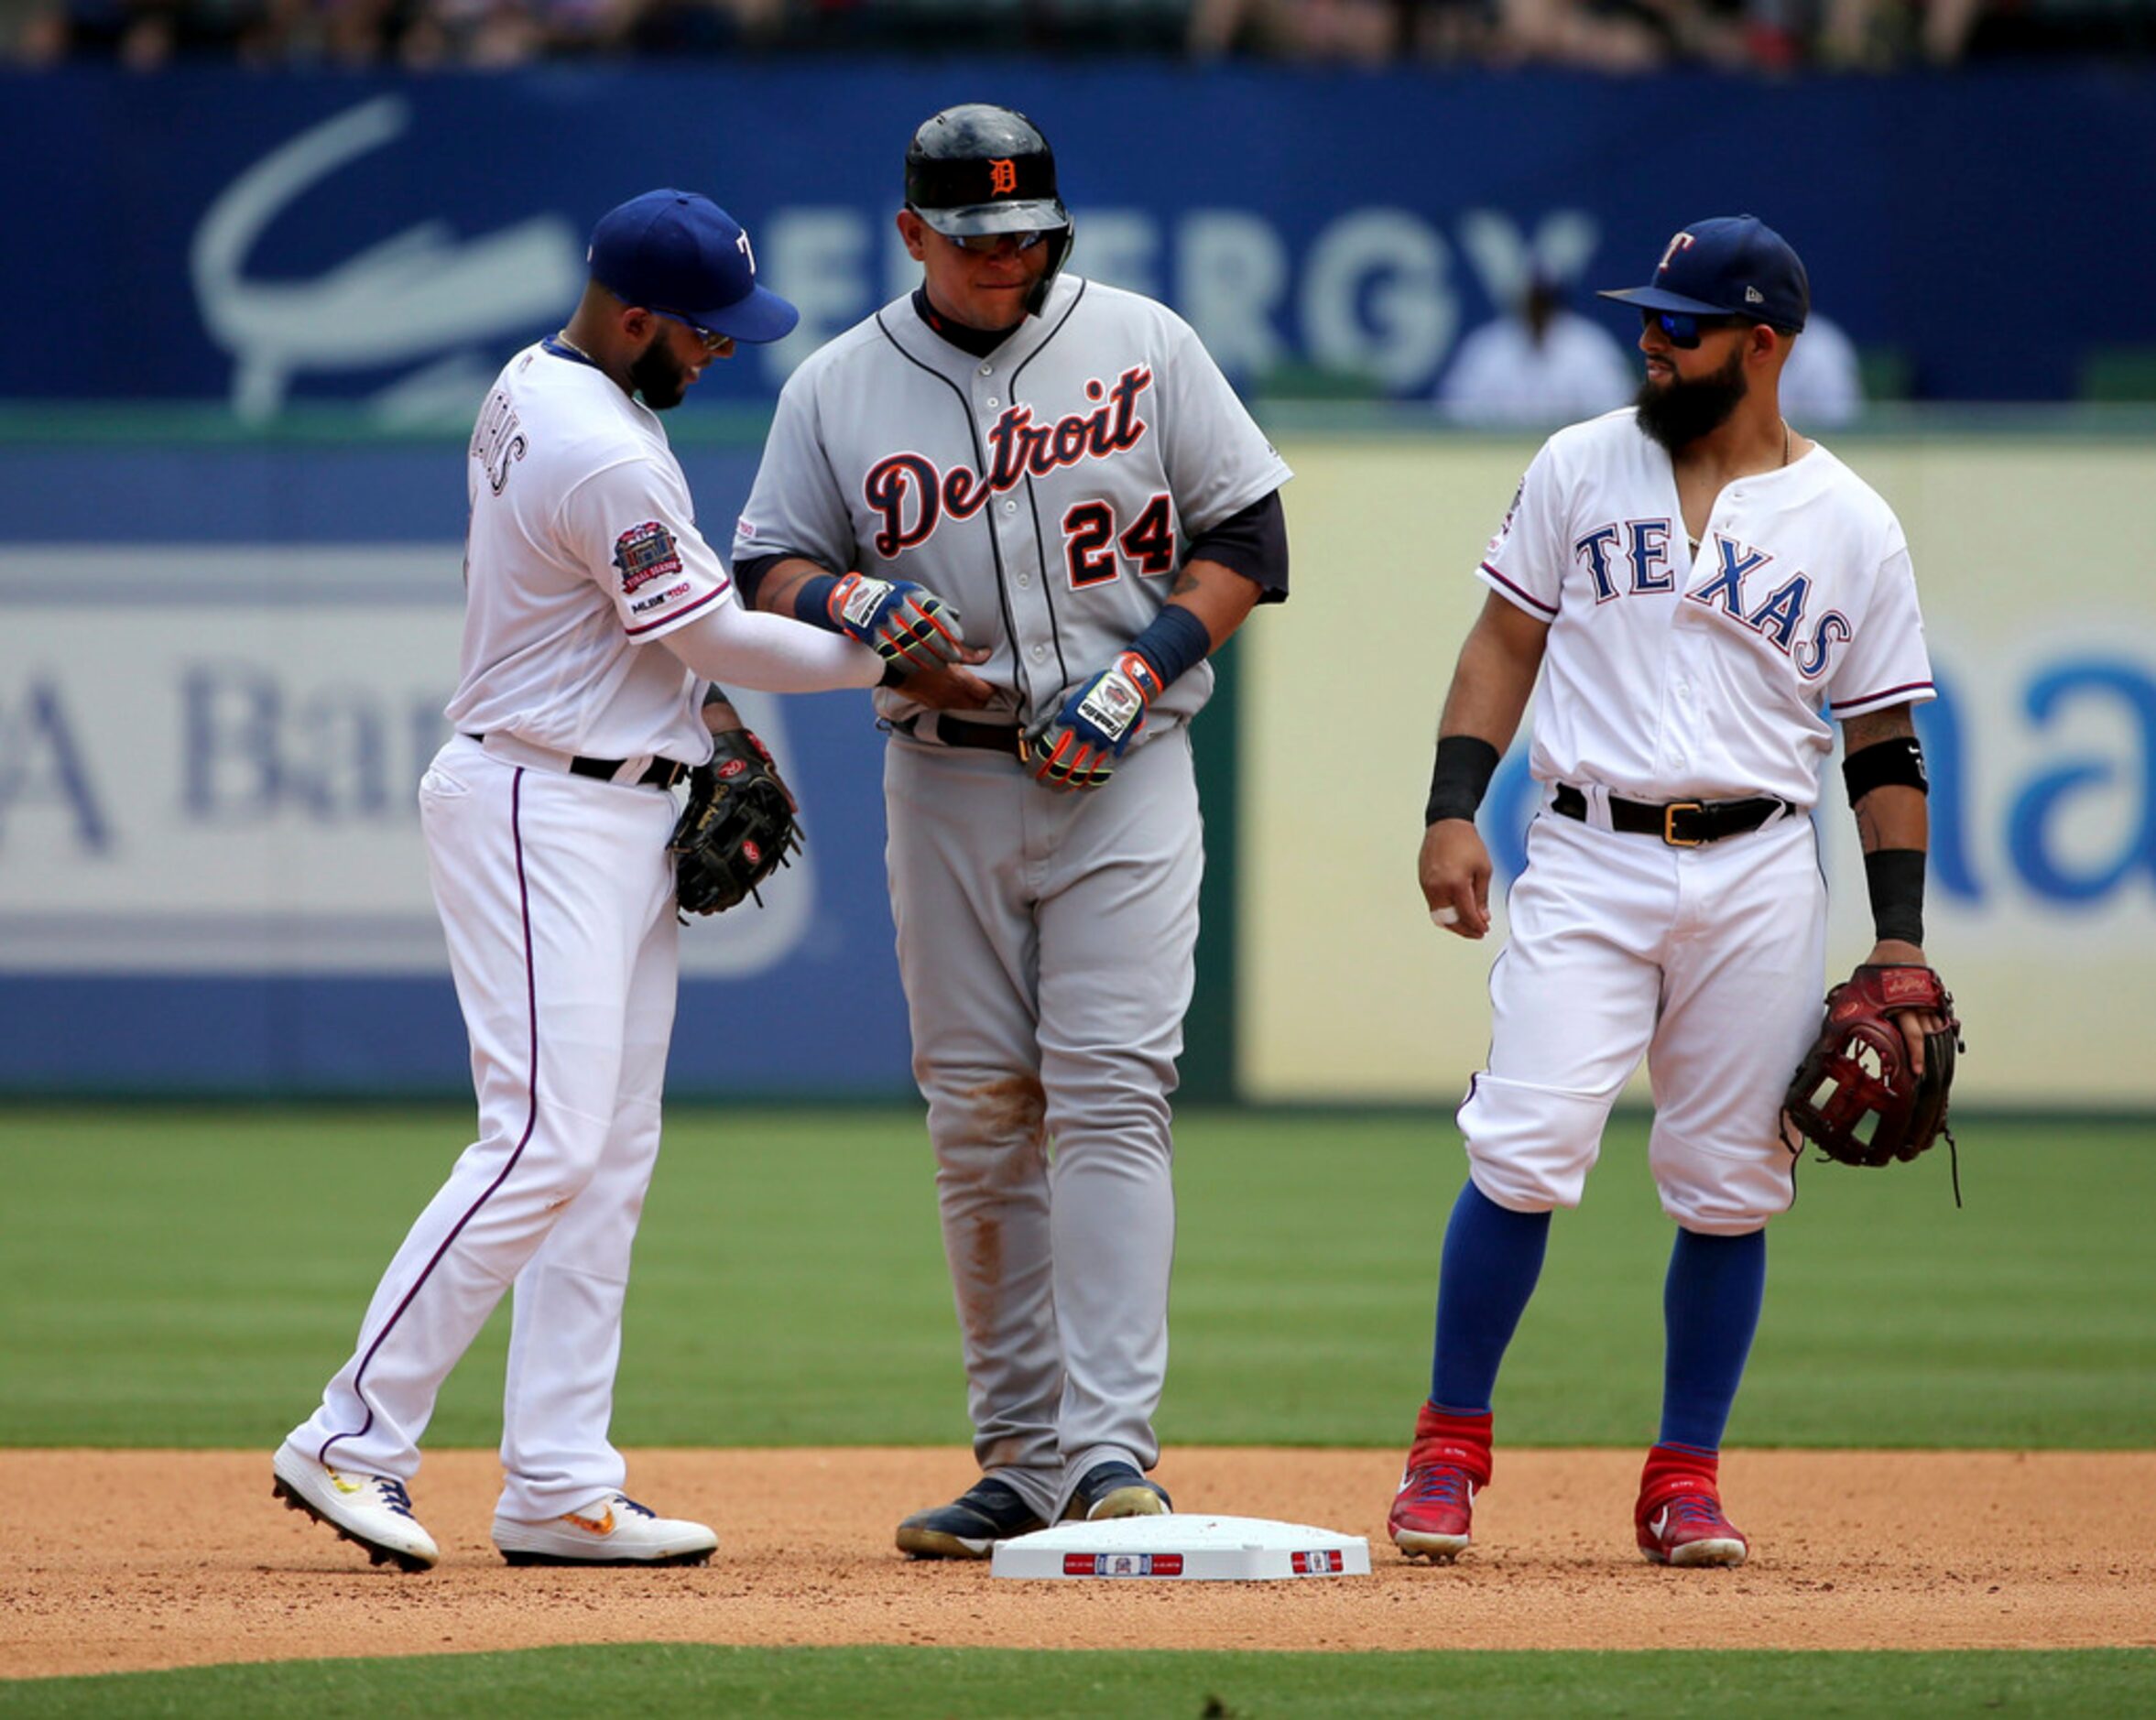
column 1049, row 490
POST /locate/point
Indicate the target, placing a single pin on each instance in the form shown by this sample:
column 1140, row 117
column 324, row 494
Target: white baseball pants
column 1705, row 961
column 557, row 899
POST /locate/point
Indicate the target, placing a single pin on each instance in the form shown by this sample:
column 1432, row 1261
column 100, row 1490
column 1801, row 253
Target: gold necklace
column 562, row 336
column 1785, row 442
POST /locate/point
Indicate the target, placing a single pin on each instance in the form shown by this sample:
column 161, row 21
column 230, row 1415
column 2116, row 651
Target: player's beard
column 1678, row 413
column 660, row 377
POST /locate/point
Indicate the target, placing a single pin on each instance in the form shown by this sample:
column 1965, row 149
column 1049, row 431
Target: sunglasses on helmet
column 983, row 244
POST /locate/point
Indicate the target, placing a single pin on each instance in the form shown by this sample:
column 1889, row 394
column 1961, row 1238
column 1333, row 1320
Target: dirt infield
column 120, row 1561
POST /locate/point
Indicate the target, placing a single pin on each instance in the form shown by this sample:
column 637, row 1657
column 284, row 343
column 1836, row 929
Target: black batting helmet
column 979, row 168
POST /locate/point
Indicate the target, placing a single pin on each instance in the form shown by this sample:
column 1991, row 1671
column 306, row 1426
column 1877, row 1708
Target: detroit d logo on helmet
column 1003, row 177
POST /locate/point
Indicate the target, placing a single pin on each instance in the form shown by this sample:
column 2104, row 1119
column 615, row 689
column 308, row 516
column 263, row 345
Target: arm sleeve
column 796, row 506
column 745, row 648
column 1885, row 662
column 749, row 572
column 1254, row 543
column 1217, row 460
column 1525, row 562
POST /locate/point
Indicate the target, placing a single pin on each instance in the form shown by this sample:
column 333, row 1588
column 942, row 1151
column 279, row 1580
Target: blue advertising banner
column 270, row 240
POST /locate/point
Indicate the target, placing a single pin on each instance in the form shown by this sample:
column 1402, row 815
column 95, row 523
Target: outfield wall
column 215, row 702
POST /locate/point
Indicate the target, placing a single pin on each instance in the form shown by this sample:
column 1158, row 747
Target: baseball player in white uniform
column 596, row 618
column 1066, row 465
column 1703, row 592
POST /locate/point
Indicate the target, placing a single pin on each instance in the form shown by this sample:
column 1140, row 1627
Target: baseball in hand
column 1444, row 916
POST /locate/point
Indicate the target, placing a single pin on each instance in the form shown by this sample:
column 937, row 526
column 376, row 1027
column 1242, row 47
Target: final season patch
column 645, row 553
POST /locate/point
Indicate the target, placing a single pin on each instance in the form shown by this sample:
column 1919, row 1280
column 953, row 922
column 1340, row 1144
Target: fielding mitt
column 736, row 830
column 1859, row 1071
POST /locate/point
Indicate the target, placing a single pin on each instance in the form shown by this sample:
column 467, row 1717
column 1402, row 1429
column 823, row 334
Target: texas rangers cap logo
column 1678, row 242
column 1003, row 177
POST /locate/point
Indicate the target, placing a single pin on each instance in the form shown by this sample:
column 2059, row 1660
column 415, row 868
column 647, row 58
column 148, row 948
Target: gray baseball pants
column 1047, row 944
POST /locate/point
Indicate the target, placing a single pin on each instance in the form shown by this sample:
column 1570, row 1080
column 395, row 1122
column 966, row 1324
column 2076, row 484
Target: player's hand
column 899, row 621
column 1455, row 876
column 1077, row 750
column 948, row 687
column 1914, row 1023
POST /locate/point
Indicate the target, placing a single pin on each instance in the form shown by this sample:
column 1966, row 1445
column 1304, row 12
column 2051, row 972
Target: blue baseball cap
column 676, row 252
column 1735, row 266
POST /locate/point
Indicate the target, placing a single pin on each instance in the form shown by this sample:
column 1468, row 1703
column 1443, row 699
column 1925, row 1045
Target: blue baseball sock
column 1710, row 1309
column 1492, row 1257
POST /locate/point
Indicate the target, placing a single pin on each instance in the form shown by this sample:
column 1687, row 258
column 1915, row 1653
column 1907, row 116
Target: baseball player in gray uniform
column 1063, row 463
column 596, row 616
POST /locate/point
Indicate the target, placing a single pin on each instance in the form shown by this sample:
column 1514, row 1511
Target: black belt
column 660, row 773
column 988, row 737
column 1680, row 823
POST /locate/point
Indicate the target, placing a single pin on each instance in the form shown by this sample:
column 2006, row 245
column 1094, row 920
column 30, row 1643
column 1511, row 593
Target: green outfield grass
column 936, row 1683
column 191, row 1276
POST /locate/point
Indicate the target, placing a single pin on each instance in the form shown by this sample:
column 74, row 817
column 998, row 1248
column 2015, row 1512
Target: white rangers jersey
column 1048, row 490
column 582, row 547
column 1675, row 673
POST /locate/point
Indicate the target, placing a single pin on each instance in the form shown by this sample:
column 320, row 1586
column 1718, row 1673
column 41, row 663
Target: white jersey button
column 1010, row 507
column 1039, row 652
column 987, row 370
column 992, row 402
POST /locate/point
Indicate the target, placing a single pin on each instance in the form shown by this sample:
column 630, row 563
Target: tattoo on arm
column 1889, row 816
column 1185, row 581
column 1860, row 732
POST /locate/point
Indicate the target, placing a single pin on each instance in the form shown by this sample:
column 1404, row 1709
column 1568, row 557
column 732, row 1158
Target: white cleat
column 373, row 1512
column 617, row 1530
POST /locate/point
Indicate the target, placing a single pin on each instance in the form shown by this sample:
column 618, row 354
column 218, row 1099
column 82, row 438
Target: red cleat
column 1433, row 1510
column 1679, row 1516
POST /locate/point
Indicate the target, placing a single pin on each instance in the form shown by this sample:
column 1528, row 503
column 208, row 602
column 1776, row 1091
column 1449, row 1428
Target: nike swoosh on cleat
column 591, row 1525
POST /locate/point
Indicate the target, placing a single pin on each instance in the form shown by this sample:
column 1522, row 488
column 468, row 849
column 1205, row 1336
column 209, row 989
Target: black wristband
column 1895, row 879
column 1899, row 760
column 1465, row 763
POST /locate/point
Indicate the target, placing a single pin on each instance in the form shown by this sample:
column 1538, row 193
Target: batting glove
column 899, row 620
column 1078, row 749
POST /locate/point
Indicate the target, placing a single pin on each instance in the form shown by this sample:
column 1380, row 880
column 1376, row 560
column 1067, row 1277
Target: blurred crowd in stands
column 1610, row 35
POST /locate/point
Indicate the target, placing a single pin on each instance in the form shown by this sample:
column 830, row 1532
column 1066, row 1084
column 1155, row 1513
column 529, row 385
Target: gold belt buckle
column 1670, row 825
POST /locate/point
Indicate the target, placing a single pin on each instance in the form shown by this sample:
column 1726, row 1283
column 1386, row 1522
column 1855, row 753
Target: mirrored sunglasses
column 982, row 244
column 1683, row 328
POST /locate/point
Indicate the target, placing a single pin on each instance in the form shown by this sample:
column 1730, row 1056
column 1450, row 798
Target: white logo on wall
column 421, row 295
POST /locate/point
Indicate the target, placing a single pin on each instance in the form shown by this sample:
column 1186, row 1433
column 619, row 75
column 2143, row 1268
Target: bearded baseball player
column 1701, row 591
column 596, row 616
column 1066, row 463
